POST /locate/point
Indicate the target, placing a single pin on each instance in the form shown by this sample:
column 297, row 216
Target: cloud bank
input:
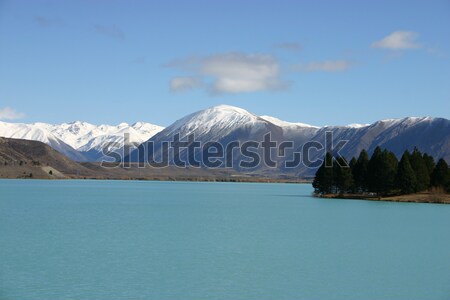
column 8, row 113
column 179, row 84
column 230, row 73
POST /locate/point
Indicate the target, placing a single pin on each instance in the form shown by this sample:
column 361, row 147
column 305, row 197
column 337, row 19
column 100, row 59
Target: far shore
column 422, row 197
column 243, row 179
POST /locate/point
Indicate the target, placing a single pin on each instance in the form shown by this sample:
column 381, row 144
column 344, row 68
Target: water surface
column 175, row 240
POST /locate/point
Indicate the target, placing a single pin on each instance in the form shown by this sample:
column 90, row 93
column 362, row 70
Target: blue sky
column 316, row 62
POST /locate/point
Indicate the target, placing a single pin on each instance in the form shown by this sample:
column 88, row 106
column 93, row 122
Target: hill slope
column 20, row 158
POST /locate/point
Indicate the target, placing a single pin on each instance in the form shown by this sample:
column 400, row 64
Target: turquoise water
column 173, row 240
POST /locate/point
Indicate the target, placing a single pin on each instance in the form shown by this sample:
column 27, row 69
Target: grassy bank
column 423, row 197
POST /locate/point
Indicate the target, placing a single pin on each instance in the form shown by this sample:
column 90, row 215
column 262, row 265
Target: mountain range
column 82, row 141
column 224, row 124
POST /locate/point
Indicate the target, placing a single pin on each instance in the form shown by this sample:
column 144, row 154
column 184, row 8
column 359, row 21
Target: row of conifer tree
column 382, row 174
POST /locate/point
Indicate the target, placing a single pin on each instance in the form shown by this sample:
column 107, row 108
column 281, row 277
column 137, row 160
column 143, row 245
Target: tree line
column 382, row 174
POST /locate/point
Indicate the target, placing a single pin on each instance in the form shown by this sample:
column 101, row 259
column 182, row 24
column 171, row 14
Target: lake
column 111, row 240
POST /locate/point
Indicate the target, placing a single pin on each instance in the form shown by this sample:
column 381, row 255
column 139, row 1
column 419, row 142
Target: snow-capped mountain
column 90, row 139
column 430, row 135
column 84, row 136
column 222, row 123
column 225, row 124
column 80, row 141
column 39, row 132
column 215, row 122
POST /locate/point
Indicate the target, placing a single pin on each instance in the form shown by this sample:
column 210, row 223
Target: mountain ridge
column 80, row 141
column 225, row 123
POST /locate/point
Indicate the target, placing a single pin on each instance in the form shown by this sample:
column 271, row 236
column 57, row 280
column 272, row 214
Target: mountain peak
column 226, row 109
column 222, row 118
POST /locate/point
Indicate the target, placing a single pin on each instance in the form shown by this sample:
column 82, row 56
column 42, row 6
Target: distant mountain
column 79, row 141
column 431, row 135
column 25, row 158
column 39, row 132
column 224, row 124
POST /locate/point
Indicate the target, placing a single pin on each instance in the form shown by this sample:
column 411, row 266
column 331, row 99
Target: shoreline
column 422, row 197
column 236, row 179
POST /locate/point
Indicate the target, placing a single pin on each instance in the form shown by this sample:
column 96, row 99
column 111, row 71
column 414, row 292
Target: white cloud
column 324, row 66
column 8, row 113
column 178, row 84
column 398, row 40
column 235, row 72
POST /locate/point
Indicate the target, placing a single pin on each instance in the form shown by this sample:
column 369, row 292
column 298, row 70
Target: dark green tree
column 429, row 162
column 360, row 172
column 406, row 178
column 352, row 163
column 324, row 180
column 375, row 171
column 420, row 169
column 391, row 166
column 441, row 175
column 343, row 176
column 382, row 172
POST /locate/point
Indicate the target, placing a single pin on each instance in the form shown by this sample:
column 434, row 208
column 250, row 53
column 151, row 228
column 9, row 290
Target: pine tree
column 360, row 172
column 391, row 166
column 429, row 162
column 324, row 180
column 406, row 178
column 318, row 179
column 343, row 175
column 441, row 174
column 420, row 169
column 375, row 172
column 382, row 171
column 352, row 164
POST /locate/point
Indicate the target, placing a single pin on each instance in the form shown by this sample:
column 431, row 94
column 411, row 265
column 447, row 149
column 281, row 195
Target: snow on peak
column 138, row 124
column 228, row 109
column 79, row 135
column 217, row 120
column 356, row 125
column 92, row 136
column 282, row 123
column 407, row 121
